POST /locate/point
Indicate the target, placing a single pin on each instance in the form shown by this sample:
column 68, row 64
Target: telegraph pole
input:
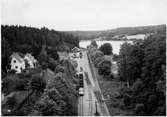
column 96, row 113
column 125, row 69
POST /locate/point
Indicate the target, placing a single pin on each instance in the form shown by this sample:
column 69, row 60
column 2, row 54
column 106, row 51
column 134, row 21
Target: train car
column 81, row 83
column 81, row 80
column 80, row 54
column 80, row 75
column 81, row 91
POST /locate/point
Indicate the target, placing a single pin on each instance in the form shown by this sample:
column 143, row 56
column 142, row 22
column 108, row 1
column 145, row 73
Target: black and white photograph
column 83, row 57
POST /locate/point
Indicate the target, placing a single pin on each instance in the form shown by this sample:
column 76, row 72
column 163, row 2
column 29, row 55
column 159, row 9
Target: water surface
column 115, row 44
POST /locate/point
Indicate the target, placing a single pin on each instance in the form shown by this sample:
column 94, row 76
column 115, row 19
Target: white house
column 17, row 63
column 30, row 60
column 137, row 36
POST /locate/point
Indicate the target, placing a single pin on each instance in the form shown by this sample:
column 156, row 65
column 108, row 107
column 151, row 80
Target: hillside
column 140, row 85
column 33, row 40
column 107, row 34
column 58, row 96
column 48, row 88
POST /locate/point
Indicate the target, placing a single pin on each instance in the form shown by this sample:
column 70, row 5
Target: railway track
column 81, row 111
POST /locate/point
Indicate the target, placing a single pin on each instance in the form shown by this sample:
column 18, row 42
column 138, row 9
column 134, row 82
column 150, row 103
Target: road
column 86, row 105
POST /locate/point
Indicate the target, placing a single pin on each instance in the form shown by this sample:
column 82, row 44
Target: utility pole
column 125, row 69
column 96, row 112
column 96, row 101
column 126, row 72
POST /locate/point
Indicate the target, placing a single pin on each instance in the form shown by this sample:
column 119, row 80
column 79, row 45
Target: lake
column 115, row 44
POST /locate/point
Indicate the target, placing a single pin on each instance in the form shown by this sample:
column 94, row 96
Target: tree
column 98, row 60
column 155, row 57
column 161, row 111
column 38, row 83
column 29, row 39
column 60, row 68
column 137, row 86
column 116, row 57
column 43, row 57
column 44, row 65
column 96, row 54
column 141, row 64
column 139, row 109
column 6, row 52
column 53, row 53
column 94, row 43
column 130, row 62
column 52, row 64
column 104, row 68
column 127, row 100
column 106, row 48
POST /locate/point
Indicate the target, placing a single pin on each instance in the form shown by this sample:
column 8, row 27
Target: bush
column 104, row 67
column 38, row 83
column 49, row 107
column 116, row 57
column 151, row 103
column 145, row 60
column 52, row 64
column 108, row 77
column 12, row 83
column 12, row 71
column 60, row 68
column 44, row 65
column 160, row 111
column 125, row 90
column 3, row 74
column 111, row 76
column 43, row 57
column 98, row 60
column 11, row 102
column 105, row 71
column 137, row 86
column 127, row 100
column 96, row 54
column 53, row 53
column 139, row 109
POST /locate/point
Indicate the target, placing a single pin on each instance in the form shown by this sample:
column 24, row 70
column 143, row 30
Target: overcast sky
column 84, row 14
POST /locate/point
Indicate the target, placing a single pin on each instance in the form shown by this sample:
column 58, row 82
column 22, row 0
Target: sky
column 67, row 15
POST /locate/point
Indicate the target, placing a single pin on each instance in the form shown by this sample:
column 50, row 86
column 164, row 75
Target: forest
column 109, row 33
column 139, row 89
column 31, row 40
column 141, row 79
column 143, row 66
column 47, row 89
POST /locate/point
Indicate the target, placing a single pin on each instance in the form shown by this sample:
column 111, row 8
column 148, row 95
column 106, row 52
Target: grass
column 110, row 90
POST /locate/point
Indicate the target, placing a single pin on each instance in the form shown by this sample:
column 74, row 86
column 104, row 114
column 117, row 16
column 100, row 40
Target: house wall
column 137, row 36
column 30, row 62
column 63, row 55
column 17, row 65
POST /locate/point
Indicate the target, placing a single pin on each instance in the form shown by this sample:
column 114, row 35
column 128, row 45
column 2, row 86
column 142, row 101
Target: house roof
column 18, row 57
column 29, row 56
column 75, row 48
